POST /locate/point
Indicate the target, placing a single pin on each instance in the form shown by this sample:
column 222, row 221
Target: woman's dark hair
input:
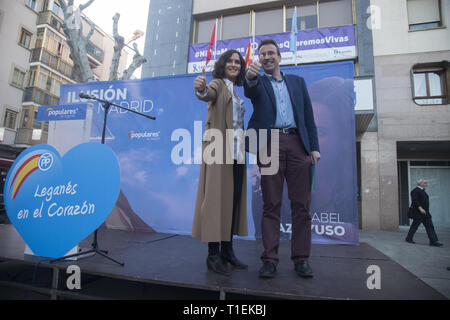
column 219, row 67
column 269, row 41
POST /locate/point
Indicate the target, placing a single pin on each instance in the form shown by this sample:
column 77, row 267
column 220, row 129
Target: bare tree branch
column 91, row 32
column 77, row 42
column 118, row 46
column 87, row 4
column 136, row 50
column 116, row 24
column 63, row 4
column 138, row 60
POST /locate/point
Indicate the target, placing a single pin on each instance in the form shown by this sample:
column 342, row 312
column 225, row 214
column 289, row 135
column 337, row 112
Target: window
column 311, row 14
column 18, row 78
column 31, row 77
column 334, row 13
column 236, row 26
column 42, row 80
column 48, row 85
column 39, row 38
column 10, row 119
column 205, row 29
column 36, row 124
column 25, row 117
column 306, row 16
column 56, row 9
column 59, row 49
column 424, row 14
column 25, row 38
column 56, row 88
column 269, row 21
column 31, row 4
column 430, row 84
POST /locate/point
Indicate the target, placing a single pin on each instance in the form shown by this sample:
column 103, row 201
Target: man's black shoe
column 436, row 244
column 231, row 258
column 409, row 241
column 268, row 270
column 215, row 264
column 303, row 269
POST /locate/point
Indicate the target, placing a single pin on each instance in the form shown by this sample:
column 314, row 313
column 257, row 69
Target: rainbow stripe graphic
column 26, row 169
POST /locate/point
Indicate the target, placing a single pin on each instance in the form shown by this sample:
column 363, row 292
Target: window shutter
column 423, row 11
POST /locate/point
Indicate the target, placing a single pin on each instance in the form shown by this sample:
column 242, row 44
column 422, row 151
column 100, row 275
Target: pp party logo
column 53, row 202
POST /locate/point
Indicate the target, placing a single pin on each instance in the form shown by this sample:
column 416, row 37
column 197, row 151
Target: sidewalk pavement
column 428, row 264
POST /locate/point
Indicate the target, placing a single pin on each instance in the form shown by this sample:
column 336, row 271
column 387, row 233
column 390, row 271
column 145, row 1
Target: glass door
column 438, row 191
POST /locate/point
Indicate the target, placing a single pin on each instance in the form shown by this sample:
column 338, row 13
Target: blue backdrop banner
column 159, row 160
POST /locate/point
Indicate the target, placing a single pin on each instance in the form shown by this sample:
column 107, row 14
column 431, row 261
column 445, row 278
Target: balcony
column 7, row 135
column 48, row 17
column 95, row 52
column 36, row 95
column 31, row 137
column 52, row 61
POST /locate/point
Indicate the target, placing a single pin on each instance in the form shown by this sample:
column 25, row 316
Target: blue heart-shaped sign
column 53, row 202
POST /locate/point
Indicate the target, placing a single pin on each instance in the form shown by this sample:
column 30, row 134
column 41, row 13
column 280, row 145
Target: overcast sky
column 133, row 16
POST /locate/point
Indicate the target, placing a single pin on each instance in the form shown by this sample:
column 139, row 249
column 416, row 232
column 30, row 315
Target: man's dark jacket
column 264, row 108
column 419, row 198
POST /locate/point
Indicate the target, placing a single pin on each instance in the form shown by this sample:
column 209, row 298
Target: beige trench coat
column 214, row 205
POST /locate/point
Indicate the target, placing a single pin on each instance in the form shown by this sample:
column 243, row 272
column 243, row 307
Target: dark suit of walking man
column 421, row 214
column 282, row 102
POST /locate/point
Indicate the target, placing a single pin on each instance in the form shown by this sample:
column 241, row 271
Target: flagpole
column 253, row 33
column 295, row 57
column 215, row 38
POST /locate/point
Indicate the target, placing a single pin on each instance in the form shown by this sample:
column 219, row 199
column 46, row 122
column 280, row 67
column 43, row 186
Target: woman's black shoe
column 228, row 256
column 215, row 264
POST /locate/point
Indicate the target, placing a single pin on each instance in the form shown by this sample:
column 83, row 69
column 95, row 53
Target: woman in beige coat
column 220, row 210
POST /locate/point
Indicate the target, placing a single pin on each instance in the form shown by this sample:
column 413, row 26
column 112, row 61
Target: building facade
column 17, row 27
column 412, row 72
column 37, row 63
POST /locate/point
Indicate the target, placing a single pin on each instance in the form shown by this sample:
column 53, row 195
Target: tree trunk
column 73, row 29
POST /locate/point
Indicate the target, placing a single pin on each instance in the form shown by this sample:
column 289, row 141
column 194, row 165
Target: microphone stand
column 106, row 106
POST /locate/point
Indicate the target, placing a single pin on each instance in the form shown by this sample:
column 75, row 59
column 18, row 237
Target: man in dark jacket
column 281, row 102
column 420, row 213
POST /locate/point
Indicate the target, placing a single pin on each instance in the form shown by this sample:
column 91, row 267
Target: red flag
column 248, row 55
column 211, row 43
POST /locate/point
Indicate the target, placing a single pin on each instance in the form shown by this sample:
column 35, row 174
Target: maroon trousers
column 295, row 167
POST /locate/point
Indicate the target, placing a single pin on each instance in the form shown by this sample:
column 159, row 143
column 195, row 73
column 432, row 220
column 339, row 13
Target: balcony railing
column 52, row 61
column 34, row 94
column 7, row 135
column 95, row 51
column 25, row 136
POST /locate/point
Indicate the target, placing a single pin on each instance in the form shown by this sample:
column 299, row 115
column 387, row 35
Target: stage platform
column 174, row 263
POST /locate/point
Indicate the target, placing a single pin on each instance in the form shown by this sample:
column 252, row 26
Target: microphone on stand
column 85, row 96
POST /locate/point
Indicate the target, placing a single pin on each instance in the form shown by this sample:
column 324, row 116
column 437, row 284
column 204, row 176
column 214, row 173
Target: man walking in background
column 419, row 212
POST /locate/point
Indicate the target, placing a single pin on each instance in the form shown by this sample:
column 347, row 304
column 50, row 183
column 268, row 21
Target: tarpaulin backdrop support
column 162, row 192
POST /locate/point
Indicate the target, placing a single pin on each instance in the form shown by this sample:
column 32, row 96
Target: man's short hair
column 419, row 182
column 269, row 41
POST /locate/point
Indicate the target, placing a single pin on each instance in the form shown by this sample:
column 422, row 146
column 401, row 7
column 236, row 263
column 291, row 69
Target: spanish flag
column 248, row 55
column 211, row 43
column 25, row 170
